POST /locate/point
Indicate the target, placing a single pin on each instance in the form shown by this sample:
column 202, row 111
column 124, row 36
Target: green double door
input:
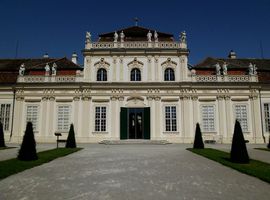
column 135, row 123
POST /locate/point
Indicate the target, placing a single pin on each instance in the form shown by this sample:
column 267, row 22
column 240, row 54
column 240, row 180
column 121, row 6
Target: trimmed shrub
column 239, row 152
column 2, row 139
column 198, row 141
column 71, row 142
column 28, row 151
column 268, row 146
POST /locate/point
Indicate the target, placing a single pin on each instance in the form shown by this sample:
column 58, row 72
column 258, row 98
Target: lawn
column 13, row 166
column 263, row 149
column 255, row 168
column 3, row 148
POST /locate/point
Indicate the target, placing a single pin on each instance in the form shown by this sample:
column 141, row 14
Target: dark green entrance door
column 135, row 123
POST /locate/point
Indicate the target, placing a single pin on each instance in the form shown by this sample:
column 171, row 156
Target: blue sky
column 58, row 26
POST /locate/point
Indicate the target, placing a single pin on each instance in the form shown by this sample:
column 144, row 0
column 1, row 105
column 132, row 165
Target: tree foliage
column 71, row 142
column 198, row 141
column 28, row 151
column 239, row 152
column 2, row 138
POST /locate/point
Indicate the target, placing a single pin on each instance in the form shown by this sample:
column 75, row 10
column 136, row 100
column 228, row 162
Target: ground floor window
column 241, row 116
column 208, row 118
column 32, row 115
column 100, row 119
column 63, row 118
column 267, row 117
column 5, row 115
column 170, row 118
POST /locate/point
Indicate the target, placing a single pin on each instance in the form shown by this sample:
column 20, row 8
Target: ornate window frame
column 168, row 64
column 102, row 64
column 135, row 64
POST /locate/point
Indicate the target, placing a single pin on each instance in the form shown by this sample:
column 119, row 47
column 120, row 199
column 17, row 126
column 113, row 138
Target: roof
column 237, row 63
column 236, row 66
column 36, row 64
column 9, row 68
column 135, row 33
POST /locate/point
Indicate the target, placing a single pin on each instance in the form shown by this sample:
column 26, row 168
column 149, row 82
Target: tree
column 239, row 152
column 2, row 139
column 198, row 141
column 28, row 151
column 71, row 142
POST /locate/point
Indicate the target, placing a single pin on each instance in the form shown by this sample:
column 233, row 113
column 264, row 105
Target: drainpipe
column 261, row 115
column 12, row 117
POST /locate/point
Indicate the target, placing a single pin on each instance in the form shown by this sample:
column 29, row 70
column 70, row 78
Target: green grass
column 263, row 149
column 3, row 148
column 254, row 168
column 13, row 166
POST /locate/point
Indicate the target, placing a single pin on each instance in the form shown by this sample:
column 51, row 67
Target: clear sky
column 58, row 26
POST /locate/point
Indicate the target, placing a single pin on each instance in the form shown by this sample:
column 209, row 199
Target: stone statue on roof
column 22, row 69
column 149, row 36
column 54, row 69
column 252, row 69
column 156, row 36
column 183, row 37
column 47, row 68
column 88, row 37
column 224, row 68
column 217, row 69
column 122, row 36
column 115, row 36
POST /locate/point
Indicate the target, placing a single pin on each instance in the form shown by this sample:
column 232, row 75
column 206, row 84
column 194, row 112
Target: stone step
column 134, row 141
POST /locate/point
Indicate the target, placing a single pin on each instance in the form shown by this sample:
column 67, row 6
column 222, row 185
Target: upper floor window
column 169, row 75
column 135, row 75
column 102, row 75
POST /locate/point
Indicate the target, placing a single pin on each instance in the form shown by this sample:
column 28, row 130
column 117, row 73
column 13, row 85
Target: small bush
column 2, row 139
column 71, row 142
column 268, row 146
column 239, row 152
column 28, row 151
column 198, row 141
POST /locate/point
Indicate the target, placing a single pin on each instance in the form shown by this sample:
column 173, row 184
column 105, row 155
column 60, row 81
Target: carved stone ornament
column 169, row 63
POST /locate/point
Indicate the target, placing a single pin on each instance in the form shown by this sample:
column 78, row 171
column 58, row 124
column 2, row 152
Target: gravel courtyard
column 132, row 172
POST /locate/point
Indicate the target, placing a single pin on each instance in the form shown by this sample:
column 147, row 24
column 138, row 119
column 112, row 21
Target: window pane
column 241, row 116
column 32, row 115
column 208, row 118
column 5, row 115
column 100, row 120
column 170, row 118
column 63, row 119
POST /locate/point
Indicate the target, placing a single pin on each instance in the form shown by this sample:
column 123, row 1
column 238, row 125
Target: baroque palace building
column 135, row 83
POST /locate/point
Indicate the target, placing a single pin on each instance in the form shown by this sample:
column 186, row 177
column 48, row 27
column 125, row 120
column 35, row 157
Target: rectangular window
column 170, row 118
column 208, row 118
column 267, row 117
column 100, row 119
column 5, row 115
column 32, row 115
column 63, row 118
column 241, row 116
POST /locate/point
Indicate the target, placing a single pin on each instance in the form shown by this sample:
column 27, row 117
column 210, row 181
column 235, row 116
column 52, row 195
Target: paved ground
column 133, row 172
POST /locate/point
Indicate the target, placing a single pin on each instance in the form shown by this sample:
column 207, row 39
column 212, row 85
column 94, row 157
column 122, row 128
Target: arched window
column 135, row 75
column 169, row 74
column 102, row 75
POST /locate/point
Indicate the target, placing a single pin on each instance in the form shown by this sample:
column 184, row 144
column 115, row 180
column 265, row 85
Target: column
column 188, row 124
column 18, row 121
column 114, row 68
column 156, row 69
column 113, row 117
column 152, row 117
column 51, row 118
column 121, row 72
column 229, row 119
column 85, row 117
column 43, row 116
column 76, row 114
column 149, row 67
column 222, row 118
column 256, row 119
column 195, row 112
column 158, row 119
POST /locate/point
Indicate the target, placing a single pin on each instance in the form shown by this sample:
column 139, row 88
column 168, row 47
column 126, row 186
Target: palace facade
column 135, row 83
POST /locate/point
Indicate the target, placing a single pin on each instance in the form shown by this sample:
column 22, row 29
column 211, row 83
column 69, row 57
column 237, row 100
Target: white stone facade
column 214, row 102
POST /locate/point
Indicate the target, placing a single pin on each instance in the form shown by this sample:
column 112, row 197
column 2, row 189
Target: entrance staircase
column 134, row 141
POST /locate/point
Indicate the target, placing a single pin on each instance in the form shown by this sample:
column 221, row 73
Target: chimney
column 74, row 58
column 232, row 55
column 46, row 55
